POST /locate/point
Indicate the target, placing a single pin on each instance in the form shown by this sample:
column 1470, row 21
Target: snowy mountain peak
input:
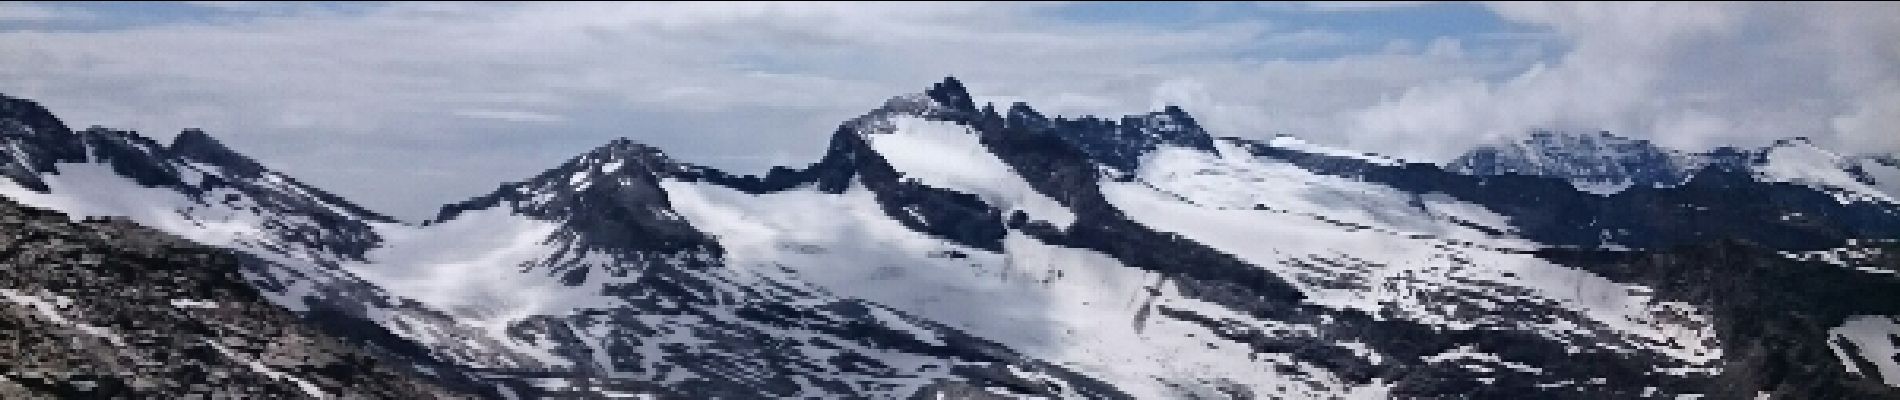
column 1599, row 163
column 196, row 140
column 946, row 99
column 100, row 171
column 1022, row 115
column 619, row 154
column 34, row 142
column 607, row 199
column 28, row 114
column 1606, row 164
column 617, row 164
column 950, row 93
column 1797, row 141
column 195, row 144
column 1798, row 160
column 1114, row 143
column 1117, row 142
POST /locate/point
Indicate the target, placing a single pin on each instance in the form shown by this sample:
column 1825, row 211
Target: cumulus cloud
column 446, row 100
column 1689, row 75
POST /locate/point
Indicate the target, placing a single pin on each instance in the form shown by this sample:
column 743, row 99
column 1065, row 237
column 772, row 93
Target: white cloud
column 510, row 115
column 1690, row 75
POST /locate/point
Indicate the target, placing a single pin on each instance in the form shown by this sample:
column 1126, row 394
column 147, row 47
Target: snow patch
column 1886, row 177
column 1390, row 272
column 947, row 155
column 190, row 303
column 1600, row 188
column 1471, row 353
column 1803, row 163
column 1873, row 339
column 1857, row 255
column 1235, row 180
column 1296, row 144
column 1079, row 308
column 478, row 268
column 51, row 310
column 256, row 366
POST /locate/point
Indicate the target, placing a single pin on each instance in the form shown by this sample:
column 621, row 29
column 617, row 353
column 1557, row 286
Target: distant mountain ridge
column 1605, row 164
column 1600, row 163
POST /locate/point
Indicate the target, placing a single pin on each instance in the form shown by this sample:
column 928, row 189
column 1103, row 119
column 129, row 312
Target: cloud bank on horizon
column 406, row 106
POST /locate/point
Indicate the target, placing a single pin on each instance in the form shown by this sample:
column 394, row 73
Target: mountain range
column 938, row 249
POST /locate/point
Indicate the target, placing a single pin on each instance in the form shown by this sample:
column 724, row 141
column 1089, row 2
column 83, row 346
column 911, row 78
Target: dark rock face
column 1054, row 156
column 1116, row 144
column 608, row 200
column 42, row 141
column 108, row 309
column 1772, row 313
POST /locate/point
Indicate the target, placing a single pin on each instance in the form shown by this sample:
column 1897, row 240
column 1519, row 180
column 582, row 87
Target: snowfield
column 1388, row 271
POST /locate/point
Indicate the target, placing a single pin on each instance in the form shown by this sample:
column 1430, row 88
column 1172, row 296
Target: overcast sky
column 404, row 107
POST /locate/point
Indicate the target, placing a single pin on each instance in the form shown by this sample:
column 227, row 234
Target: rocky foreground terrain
column 109, row 309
